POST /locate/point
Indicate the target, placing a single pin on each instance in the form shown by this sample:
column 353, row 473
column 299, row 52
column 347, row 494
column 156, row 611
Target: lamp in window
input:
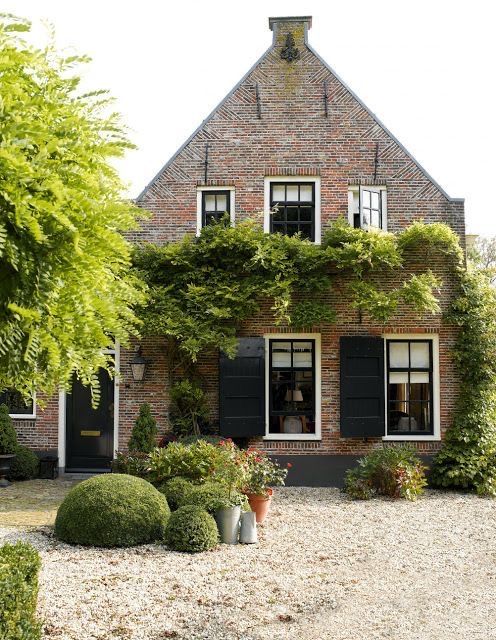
column 293, row 424
column 138, row 365
column 293, row 395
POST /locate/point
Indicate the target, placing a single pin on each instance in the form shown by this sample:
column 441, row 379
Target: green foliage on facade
column 203, row 288
column 467, row 459
column 19, row 568
column 144, row 435
column 188, row 408
column 65, row 285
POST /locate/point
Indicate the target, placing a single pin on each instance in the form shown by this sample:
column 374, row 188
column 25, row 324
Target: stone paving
column 32, row 503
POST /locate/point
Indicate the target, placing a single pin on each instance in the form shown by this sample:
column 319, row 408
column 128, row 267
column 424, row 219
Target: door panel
column 89, row 431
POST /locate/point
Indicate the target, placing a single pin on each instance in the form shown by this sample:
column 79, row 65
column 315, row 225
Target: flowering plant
column 231, row 470
column 263, row 473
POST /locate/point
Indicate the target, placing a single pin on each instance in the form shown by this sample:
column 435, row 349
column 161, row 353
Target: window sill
column 433, row 438
column 22, row 416
column 297, row 437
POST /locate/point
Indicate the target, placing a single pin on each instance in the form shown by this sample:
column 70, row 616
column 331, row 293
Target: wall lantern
column 138, row 365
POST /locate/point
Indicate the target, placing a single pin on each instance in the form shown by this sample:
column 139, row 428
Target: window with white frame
column 410, row 387
column 18, row 406
column 213, row 203
column 292, row 206
column 367, row 207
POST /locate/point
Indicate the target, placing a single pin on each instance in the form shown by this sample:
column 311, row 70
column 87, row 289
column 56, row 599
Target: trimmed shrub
column 195, row 461
column 112, row 510
column 25, row 465
column 19, row 568
column 178, row 491
column 396, row 472
column 8, row 436
column 191, row 529
column 144, row 435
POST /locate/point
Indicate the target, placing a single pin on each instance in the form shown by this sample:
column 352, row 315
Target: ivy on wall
column 202, row 289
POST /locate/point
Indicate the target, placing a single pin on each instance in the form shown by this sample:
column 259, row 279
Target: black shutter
column 242, row 390
column 362, row 387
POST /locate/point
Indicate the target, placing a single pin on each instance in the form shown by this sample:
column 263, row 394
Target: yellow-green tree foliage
column 65, row 286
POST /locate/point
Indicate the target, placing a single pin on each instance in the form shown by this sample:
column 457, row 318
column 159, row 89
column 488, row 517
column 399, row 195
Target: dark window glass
column 409, row 383
column 215, row 204
column 15, row 402
column 292, row 386
column 293, row 208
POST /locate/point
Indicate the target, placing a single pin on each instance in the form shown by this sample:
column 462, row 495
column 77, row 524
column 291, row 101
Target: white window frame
column 436, row 386
column 232, row 202
column 315, row 180
column 354, row 198
column 318, row 387
column 25, row 416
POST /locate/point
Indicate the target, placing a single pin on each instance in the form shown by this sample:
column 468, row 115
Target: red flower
column 221, row 443
column 289, row 465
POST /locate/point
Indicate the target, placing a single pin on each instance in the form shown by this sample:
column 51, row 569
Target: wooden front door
column 89, row 431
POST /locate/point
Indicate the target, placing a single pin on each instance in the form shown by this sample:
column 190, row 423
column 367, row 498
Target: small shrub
column 25, row 465
column 19, row 568
column 396, row 472
column 211, row 439
column 194, row 462
column 132, row 464
column 263, row 473
column 8, row 436
column 112, row 511
column 191, row 529
column 144, row 434
column 212, row 496
column 177, row 491
column 189, row 410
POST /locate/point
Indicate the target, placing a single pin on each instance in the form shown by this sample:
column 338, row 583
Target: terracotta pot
column 260, row 504
column 5, row 462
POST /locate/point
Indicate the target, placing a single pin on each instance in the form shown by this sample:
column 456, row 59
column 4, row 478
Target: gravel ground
column 324, row 568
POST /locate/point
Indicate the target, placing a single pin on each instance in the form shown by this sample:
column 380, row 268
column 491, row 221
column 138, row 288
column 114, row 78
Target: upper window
column 292, row 387
column 214, row 205
column 367, row 207
column 292, row 206
column 409, row 387
column 16, row 404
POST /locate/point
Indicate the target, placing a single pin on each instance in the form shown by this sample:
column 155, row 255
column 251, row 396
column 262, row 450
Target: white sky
column 425, row 68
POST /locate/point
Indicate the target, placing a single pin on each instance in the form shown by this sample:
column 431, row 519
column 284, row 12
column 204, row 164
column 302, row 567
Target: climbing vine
column 202, row 289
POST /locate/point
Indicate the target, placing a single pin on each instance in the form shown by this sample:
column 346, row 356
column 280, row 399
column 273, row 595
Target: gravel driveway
column 325, row 568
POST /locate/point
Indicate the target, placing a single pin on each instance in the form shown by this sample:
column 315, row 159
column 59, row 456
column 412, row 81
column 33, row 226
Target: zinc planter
column 260, row 504
column 228, row 524
column 5, row 462
column 248, row 530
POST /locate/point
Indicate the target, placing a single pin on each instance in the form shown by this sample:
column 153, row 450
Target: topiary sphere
column 112, row 510
column 25, row 465
column 191, row 529
column 177, row 490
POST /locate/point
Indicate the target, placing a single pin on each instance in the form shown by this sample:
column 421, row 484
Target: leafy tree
column 483, row 255
column 64, row 281
column 8, row 436
column 144, row 435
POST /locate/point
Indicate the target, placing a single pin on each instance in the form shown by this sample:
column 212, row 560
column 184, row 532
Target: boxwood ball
column 191, row 529
column 112, row 510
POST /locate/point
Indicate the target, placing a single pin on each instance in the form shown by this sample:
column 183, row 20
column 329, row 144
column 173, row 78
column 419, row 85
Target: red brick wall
column 293, row 137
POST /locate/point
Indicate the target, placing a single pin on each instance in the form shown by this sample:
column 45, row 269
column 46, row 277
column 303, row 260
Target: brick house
column 290, row 133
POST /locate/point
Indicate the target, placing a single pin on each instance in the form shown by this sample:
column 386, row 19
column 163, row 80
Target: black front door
column 89, row 431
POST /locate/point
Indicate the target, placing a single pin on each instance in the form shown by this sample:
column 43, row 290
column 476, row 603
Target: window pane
column 398, row 377
column 417, row 377
column 278, row 194
column 366, row 199
column 292, row 214
column 302, row 354
column 420, row 419
column 292, row 192
column 419, row 352
column 306, row 213
column 374, row 219
column 306, row 230
column 281, row 354
column 278, row 214
column 15, row 402
column 306, row 193
column 222, row 203
column 209, row 202
column 375, row 200
column 398, row 355
column 366, row 217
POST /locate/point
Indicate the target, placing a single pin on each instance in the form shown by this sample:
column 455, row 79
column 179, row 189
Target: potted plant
column 230, row 470
column 8, row 444
column 263, row 474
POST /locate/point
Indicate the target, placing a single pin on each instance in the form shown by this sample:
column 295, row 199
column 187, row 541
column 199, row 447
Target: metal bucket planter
column 5, row 462
column 228, row 524
column 248, row 530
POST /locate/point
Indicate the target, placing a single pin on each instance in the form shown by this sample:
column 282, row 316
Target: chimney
column 290, row 33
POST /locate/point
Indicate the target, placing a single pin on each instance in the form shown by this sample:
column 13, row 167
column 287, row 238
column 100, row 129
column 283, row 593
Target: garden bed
column 325, row 567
